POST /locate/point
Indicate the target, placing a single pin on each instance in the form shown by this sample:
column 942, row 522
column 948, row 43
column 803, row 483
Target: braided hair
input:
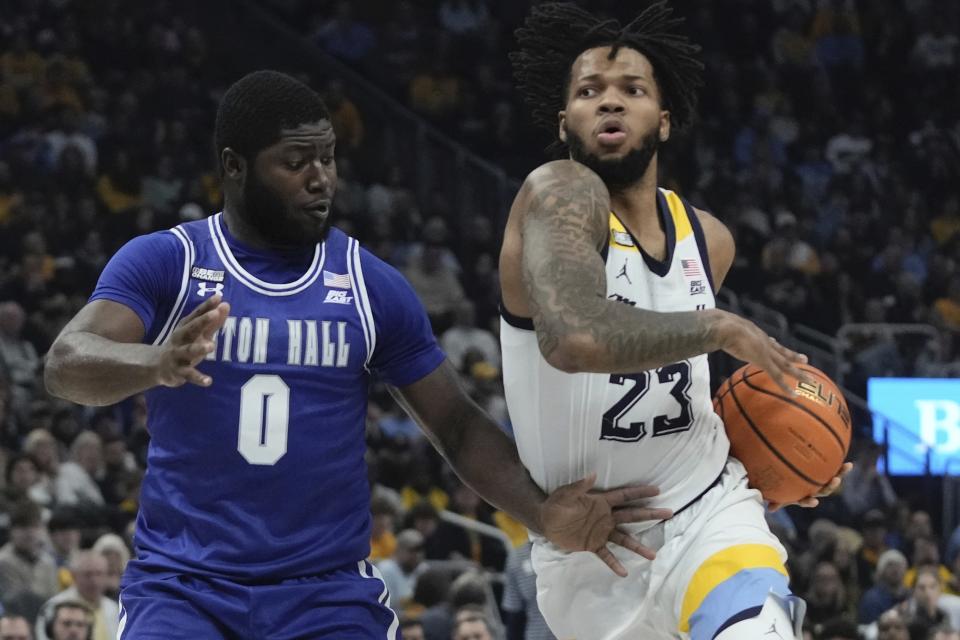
column 555, row 34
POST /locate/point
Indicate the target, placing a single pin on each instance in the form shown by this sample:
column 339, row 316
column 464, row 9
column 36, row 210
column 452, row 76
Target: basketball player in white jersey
column 608, row 314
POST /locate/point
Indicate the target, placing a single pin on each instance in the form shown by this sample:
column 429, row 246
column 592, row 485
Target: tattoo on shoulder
column 566, row 223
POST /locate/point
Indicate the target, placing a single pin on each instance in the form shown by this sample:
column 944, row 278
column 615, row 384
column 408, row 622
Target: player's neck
column 636, row 205
column 242, row 232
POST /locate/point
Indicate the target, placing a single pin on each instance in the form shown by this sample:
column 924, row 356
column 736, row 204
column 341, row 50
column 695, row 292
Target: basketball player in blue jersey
column 608, row 313
column 255, row 334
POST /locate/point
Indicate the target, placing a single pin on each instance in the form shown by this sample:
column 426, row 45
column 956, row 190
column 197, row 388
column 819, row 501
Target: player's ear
column 234, row 164
column 562, row 123
column 664, row 126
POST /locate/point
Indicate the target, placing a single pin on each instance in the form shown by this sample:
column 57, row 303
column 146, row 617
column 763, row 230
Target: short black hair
column 25, row 514
column 555, row 34
column 258, row 106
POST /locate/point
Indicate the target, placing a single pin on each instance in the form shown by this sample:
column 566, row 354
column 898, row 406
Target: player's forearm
column 627, row 340
column 88, row 369
column 610, row 337
column 487, row 460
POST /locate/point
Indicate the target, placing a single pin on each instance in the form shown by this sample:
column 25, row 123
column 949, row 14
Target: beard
column 616, row 173
column 276, row 224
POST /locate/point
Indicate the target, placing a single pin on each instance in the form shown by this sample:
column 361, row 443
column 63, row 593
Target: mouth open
column 611, row 134
column 319, row 211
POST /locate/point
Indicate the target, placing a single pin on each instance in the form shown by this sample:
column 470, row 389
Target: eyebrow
column 295, row 145
column 629, row 77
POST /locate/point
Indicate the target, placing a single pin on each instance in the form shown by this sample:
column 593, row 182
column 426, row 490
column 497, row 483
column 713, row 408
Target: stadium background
column 828, row 141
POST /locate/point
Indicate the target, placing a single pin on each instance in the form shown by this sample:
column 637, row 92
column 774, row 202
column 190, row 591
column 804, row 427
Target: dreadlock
column 555, row 34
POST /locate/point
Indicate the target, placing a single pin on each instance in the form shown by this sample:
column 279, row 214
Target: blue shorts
column 350, row 603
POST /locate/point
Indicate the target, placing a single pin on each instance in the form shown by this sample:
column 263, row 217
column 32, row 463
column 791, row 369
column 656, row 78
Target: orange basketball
column 791, row 444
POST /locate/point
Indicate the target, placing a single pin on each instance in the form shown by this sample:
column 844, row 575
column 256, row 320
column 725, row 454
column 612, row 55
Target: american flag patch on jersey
column 336, row 280
column 691, row 268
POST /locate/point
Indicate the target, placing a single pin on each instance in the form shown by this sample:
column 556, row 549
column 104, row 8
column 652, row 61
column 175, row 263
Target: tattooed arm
column 565, row 210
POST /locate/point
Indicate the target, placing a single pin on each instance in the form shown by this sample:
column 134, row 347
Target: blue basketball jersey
column 262, row 475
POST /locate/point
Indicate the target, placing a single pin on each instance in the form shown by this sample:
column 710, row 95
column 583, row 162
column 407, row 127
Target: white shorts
column 715, row 559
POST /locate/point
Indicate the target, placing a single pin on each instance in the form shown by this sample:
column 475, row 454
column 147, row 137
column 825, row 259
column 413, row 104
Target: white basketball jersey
column 654, row 427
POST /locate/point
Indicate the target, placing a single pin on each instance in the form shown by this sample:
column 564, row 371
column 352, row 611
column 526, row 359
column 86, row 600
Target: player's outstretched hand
column 190, row 343
column 746, row 341
column 576, row 519
column 828, row 490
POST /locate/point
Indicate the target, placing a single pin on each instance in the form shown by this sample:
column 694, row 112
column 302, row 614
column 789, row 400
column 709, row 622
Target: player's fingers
column 829, row 488
column 622, row 495
column 809, row 503
column 640, row 514
column 222, row 310
column 845, row 469
column 203, row 307
column 777, row 373
column 611, row 561
column 581, row 486
column 193, row 352
column 627, row 541
column 190, row 331
column 195, row 377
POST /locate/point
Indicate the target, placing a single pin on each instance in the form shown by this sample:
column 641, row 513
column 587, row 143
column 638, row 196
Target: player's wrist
column 721, row 329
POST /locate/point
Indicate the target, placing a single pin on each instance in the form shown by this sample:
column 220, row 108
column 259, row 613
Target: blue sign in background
column 927, row 410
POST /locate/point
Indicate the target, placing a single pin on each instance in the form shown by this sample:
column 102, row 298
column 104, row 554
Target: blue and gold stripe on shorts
column 729, row 582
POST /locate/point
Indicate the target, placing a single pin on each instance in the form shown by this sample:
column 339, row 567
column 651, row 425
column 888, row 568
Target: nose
column 610, row 102
column 318, row 179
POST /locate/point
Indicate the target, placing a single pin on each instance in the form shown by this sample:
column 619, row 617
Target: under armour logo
column 204, row 288
column 623, row 273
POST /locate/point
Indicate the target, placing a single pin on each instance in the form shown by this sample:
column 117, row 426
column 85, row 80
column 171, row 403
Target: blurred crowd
column 827, row 143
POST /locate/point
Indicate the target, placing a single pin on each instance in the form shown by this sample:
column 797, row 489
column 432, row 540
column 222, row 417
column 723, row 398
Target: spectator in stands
column 23, row 482
column 24, row 565
column 410, row 629
column 463, row 17
column 64, row 526
column 471, row 624
column 114, row 550
column 345, row 36
column 71, row 620
column 921, row 611
column 434, row 280
column 14, row 627
column 947, row 308
column 89, row 570
column 874, row 529
column 161, row 189
column 888, row 589
column 891, row 626
column 926, row 553
column 522, row 614
column 345, row 118
column 465, row 336
column 435, row 91
column 826, row 597
column 18, row 357
column 865, row 488
column 469, row 588
column 383, row 543
column 400, row 572
column 42, row 447
column 119, row 468
column 76, row 482
column 119, row 188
